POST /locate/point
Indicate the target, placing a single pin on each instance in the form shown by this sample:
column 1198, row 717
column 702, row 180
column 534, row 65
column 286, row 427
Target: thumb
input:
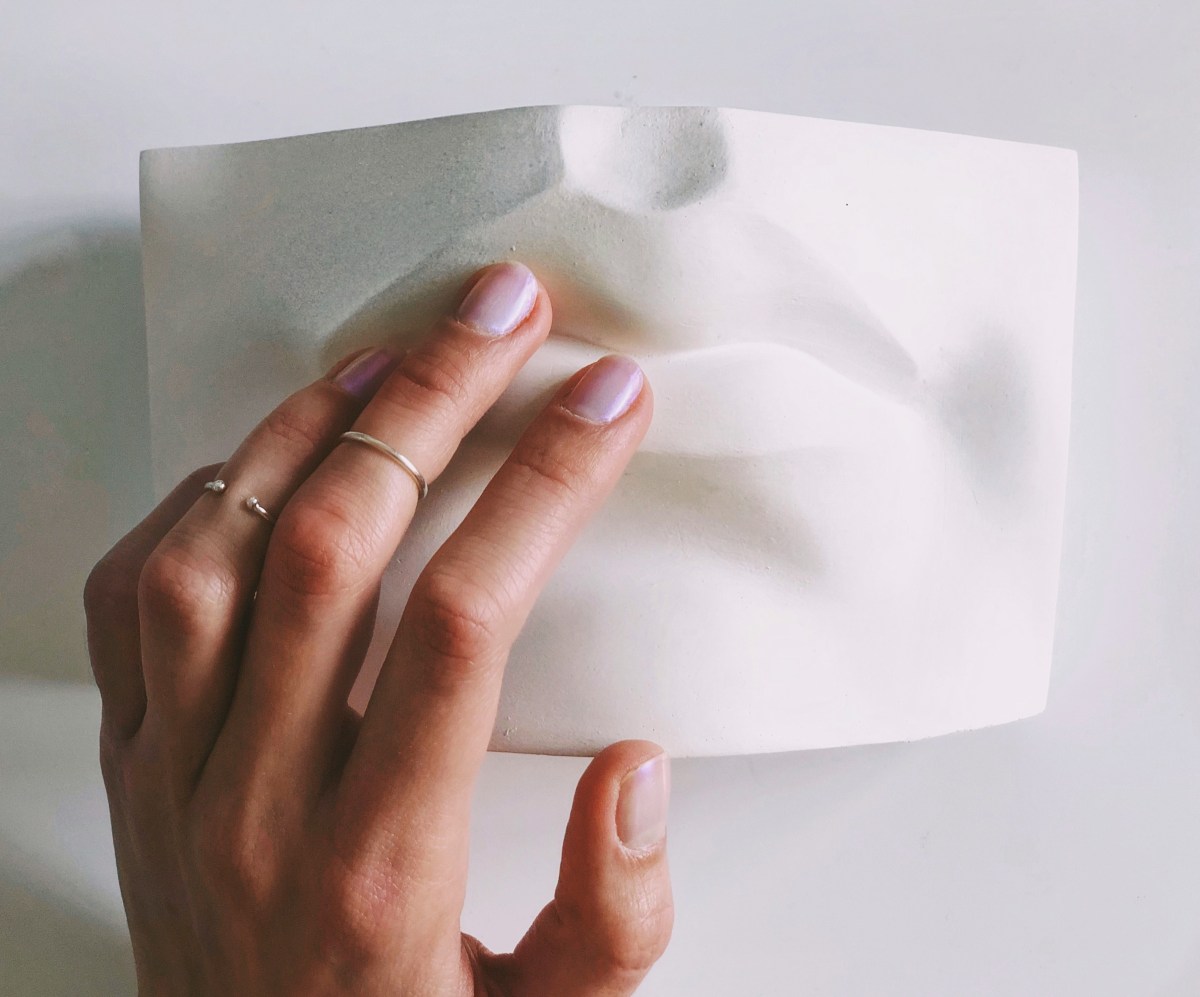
column 611, row 916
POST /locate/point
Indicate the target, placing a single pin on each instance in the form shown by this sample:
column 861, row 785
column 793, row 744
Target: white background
column 1054, row 856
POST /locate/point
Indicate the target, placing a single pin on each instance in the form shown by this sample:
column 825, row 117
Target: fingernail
column 362, row 375
column 500, row 299
column 607, row 389
column 642, row 803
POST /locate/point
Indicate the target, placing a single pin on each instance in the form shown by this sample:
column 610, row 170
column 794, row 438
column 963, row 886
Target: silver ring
column 251, row 503
column 399, row 458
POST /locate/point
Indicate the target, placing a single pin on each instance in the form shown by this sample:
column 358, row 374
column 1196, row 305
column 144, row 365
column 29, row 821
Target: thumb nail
column 642, row 803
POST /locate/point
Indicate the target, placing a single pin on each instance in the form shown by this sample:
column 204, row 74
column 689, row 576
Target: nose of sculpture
column 643, row 159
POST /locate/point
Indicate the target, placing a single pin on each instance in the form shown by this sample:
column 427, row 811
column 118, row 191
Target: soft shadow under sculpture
column 75, row 437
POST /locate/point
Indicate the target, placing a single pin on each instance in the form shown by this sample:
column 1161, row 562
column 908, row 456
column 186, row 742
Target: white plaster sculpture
column 844, row 524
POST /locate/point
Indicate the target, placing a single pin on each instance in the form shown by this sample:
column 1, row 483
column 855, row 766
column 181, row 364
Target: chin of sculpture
column 844, row 523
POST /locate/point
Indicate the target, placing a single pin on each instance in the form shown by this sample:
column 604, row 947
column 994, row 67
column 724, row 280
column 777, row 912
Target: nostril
column 644, row 159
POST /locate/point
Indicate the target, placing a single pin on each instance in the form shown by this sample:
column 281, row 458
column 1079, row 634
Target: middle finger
column 319, row 583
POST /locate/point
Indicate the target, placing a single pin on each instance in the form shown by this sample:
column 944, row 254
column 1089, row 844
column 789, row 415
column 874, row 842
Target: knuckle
column 232, row 853
column 360, row 901
column 184, row 587
column 438, row 373
column 319, row 550
column 298, row 430
column 634, row 948
column 543, row 469
column 630, row 932
column 654, row 921
column 456, row 617
column 110, row 588
column 112, row 584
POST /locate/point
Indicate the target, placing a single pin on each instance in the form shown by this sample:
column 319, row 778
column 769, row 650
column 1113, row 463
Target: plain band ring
column 399, row 458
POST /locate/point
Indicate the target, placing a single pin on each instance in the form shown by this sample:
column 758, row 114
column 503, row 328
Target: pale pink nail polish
column 607, row 390
column 642, row 803
column 500, row 300
column 363, row 375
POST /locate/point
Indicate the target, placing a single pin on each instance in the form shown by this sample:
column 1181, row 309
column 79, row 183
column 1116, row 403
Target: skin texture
column 270, row 841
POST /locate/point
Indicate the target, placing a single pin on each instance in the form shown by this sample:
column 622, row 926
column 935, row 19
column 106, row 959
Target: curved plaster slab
column 844, row 523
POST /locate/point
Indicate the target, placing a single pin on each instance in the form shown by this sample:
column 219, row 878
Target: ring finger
column 196, row 587
column 320, row 579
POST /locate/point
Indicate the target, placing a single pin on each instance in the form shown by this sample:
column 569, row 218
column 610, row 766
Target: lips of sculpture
column 737, row 299
column 640, row 204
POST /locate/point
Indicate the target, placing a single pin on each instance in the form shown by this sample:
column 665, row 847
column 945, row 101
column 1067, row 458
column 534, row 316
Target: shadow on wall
column 74, row 432
column 50, row 946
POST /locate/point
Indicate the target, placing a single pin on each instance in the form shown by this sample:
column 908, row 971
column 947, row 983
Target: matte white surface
column 844, row 523
column 1056, row 856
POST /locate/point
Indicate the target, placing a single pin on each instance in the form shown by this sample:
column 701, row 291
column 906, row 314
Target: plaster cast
column 844, row 523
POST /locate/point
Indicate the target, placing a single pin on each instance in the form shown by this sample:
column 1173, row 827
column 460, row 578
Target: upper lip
column 748, row 326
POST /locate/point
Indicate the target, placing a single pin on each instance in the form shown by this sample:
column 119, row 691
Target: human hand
column 268, row 840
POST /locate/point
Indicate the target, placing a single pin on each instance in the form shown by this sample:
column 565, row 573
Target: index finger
column 406, row 789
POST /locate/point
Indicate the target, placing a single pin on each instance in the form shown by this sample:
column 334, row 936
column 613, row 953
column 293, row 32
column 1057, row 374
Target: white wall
column 1055, row 856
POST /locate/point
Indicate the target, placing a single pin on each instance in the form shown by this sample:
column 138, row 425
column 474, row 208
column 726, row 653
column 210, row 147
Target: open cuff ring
column 252, row 503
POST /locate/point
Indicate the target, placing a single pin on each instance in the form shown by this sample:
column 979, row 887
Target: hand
column 268, row 840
